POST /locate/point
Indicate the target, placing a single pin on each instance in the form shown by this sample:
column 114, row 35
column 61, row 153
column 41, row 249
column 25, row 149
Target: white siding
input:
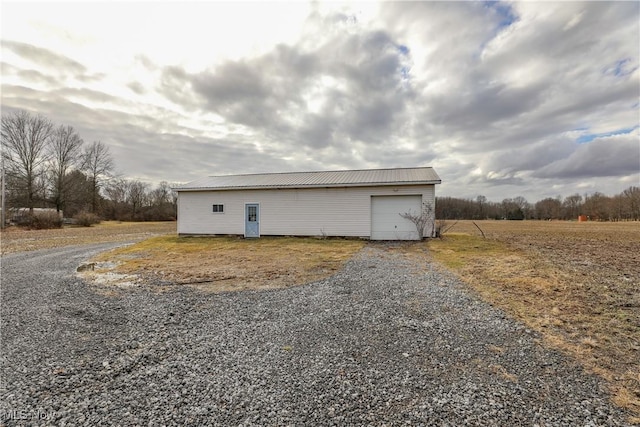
column 295, row 212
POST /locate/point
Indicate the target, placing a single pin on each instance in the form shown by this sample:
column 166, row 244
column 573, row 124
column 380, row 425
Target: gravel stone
column 386, row 341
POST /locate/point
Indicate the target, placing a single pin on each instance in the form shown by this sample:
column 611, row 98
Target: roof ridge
column 320, row 171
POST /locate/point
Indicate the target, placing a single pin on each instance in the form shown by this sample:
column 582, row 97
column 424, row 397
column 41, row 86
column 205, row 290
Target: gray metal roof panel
column 367, row 177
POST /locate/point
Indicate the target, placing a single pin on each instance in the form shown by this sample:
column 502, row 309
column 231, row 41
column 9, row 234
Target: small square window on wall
column 218, row 208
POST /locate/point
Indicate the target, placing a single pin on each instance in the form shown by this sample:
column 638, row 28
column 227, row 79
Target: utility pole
column 4, row 210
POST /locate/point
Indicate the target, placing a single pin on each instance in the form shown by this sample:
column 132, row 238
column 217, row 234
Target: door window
column 252, row 213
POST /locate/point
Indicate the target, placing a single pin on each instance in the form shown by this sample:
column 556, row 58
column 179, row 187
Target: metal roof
column 345, row 178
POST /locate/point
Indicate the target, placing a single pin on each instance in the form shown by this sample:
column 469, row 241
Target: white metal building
column 355, row 203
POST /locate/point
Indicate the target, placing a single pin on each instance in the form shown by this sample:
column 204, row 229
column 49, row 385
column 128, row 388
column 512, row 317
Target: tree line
column 51, row 167
column 596, row 207
column 48, row 166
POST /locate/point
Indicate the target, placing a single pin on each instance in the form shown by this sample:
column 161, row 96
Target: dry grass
column 15, row 239
column 220, row 264
column 576, row 283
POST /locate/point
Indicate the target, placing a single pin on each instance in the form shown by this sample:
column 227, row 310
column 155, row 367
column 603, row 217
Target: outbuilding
column 350, row 203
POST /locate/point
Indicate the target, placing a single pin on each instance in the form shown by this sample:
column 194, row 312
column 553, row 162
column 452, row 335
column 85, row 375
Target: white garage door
column 386, row 222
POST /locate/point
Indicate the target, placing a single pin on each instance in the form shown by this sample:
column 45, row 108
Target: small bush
column 86, row 219
column 43, row 221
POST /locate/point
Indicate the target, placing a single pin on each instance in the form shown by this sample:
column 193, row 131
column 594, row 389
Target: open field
column 576, row 283
column 15, row 239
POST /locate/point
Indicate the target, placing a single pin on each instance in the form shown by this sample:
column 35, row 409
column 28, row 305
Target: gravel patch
column 383, row 342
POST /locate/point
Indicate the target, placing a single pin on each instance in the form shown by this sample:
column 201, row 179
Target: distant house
column 349, row 203
column 22, row 215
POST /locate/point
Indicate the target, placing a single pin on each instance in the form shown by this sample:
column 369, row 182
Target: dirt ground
column 608, row 252
column 577, row 283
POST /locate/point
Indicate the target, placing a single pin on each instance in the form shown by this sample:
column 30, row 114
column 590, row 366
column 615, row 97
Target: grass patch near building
column 220, row 264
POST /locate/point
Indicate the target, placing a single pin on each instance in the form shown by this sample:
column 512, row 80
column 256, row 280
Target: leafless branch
column 442, row 231
column 421, row 219
column 478, row 227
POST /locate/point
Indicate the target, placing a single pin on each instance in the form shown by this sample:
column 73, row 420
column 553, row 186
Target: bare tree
column 572, row 205
column 623, row 206
column 78, row 198
column 162, row 202
column 524, row 208
column 97, row 164
column 422, row 220
column 161, row 194
column 25, row 142
column 548, row 208
column 136, row 197
column 116, row 192
column 481, row 201
column 66, row 147
column 596, row 206
column 632, row 198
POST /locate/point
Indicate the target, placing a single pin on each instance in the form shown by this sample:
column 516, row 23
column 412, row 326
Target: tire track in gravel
column 40, row 296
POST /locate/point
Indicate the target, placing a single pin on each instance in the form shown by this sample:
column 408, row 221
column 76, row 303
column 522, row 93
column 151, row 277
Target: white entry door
column 386, row 222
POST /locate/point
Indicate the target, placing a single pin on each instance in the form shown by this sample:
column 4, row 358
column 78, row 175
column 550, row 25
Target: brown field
column 576, row 283
column 15, row 239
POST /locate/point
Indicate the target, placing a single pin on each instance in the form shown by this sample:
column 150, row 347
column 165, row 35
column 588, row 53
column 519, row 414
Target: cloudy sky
column 503, row 99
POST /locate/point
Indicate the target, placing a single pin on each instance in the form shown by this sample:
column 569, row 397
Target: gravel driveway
column 383, row 342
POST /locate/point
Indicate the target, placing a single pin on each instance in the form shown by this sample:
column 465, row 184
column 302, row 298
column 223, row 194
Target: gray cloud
column 150, row 146
column 137, row 87
column 617, row 155
column 487, row 105
column 37, row 77
column 509, row 178
column 175, row 86
column 86, row 94
column 506, row 93
column 232, row 85
column 146, row 62
column 318, row 131
column 531, row 157
column 356, row 77
column 47, row 58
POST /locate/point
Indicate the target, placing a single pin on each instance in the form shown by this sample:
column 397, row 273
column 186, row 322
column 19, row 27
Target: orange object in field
column 582, row 218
